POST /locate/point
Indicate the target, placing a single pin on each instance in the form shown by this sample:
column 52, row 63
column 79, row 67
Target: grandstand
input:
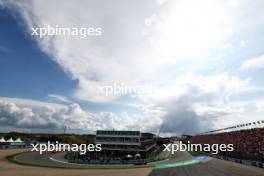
column 125, row 143
column 255, row 124
column 248, row 140
column 126, row 147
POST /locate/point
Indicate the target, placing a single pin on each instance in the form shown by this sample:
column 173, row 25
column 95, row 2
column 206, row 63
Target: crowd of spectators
column 248, row 144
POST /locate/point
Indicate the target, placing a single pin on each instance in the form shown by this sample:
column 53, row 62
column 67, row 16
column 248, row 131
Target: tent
column 2, row 140
column 137, row 155
column 18, row 140
column 10, row 140
column 129, row 156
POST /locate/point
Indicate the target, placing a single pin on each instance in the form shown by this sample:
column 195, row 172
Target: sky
column 184, row 67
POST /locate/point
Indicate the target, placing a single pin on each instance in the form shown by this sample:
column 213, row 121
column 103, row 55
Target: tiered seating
column 248, row 144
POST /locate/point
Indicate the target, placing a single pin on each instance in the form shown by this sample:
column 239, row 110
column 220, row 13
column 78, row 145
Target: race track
column 211, row 167
column 207, row 167
column 8, row 168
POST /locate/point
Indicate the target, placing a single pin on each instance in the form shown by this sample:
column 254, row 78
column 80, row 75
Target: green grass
column 162, row 156
column 178, row 164
column 195, row 153
column 13, row 159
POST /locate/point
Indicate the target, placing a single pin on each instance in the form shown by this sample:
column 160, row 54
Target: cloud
column 45, row 118
column 34, row 104
column 107, row 56
column 133, row 46
column 211, row 86
column 49, row 118
column 59, row 98
column 202, row 104
column 180, row 119
column 260, row 106
column 253, row 63
column 11, row 115
column 165, row 43
column 191, row 104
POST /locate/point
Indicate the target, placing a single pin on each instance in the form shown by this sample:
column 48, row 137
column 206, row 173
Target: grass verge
column 195, row 153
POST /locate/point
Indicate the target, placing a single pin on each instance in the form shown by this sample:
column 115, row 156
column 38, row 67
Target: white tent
column 137, row 155
column 18, row 140
column 2, row 140
column 129, row 156
column 10, row 140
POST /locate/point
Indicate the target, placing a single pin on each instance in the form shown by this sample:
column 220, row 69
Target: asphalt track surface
column 211, row 167
column 8, row 168
column 57, row 160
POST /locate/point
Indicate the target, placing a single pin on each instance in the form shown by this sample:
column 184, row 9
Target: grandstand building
column 126, row 143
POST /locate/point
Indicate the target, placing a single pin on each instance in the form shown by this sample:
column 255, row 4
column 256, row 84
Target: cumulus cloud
column 203, row 103
column 190, row 105
column 133, row 46
column 11, row 115
column 107, row 56
column 138, row 47
column 253, row 63
column 73, row 117
column 180, row 119
column 223, row 84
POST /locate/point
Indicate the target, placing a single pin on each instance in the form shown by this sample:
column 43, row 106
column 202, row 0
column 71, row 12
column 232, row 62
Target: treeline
column 65, row 138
